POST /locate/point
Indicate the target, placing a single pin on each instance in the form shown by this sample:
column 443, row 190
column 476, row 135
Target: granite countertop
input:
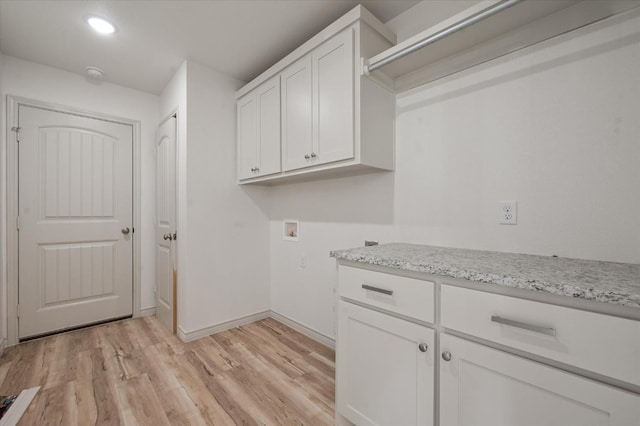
column 610, row 282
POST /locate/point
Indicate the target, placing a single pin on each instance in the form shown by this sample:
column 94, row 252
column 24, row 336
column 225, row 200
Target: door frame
column 13, row 104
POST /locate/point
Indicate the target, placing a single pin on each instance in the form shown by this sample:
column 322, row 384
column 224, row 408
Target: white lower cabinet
column 386, row 362
column 385, row 368
column 482, row 386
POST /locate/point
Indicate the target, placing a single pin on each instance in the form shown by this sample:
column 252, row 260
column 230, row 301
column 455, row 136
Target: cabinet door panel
column 297, row 113
column 483, row 386
column 382, row 376
column 247, row 136
column 333, row 99
column 268, row 98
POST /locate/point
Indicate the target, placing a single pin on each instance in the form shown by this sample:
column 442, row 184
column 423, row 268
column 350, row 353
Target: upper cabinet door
column 247, row 136
column 297, row 113
column 268, row 104
column 259, row 131
column 333, row 99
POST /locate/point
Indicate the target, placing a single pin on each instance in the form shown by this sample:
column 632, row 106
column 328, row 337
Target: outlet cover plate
column 508, row 214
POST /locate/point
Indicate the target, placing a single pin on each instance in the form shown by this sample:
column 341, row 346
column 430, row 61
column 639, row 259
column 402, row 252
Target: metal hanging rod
column 446, row 32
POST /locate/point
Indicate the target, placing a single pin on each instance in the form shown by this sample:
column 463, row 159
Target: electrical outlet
column 508, row 212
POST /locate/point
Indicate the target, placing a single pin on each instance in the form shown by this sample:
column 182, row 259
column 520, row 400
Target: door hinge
column 17, row 131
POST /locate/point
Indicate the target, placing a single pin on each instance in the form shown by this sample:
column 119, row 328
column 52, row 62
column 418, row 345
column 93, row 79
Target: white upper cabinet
column 259, row 131
column 297, row 115
column 317, row 105
column 333, row 100
column 333, row 120
column 247, row 136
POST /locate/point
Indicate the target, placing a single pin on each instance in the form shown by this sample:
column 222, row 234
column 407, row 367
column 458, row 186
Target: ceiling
column 240, row 38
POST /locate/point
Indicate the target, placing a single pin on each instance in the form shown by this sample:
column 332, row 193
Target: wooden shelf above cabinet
column 521, row 25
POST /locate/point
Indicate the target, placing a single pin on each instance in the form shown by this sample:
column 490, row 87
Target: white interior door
column 166, row 223
column 75, row 221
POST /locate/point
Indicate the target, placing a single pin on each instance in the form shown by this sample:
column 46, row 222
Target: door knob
column 423, row 347
column 125, row 231
column 446, row 355
column 167, row 237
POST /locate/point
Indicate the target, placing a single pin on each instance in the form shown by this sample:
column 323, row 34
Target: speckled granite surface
column 617, row 283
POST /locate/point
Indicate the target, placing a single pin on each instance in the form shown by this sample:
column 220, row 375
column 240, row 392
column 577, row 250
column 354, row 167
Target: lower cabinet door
column 484, row 386
column 385, row 368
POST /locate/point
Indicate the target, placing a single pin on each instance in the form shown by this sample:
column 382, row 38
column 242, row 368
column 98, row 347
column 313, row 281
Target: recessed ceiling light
column 101, row 25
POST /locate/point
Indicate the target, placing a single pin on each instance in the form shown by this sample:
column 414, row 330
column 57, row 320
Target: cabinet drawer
column 406, row 296
column 600, row 343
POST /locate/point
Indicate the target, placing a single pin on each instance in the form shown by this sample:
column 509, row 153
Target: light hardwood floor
column 136, row 372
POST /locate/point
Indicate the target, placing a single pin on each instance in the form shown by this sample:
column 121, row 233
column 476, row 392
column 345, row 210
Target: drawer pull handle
column 446, row 355
column 423, row 347
column 377, row 290
column 518, row 324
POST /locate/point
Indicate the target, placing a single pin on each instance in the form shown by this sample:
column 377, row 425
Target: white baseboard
column 147, row 312
column 303, row 329
column 19, row 406
column 188, row 336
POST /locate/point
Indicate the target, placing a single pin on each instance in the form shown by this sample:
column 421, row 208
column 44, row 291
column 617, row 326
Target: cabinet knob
column 306, row 156
column 256, row 169
column 446, row 355
column 423, row 347
column 313, row 155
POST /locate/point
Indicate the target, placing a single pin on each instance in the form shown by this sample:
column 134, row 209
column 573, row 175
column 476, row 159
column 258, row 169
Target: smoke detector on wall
column 94, row 73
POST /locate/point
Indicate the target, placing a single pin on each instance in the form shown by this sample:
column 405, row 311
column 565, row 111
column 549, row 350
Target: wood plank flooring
column 134, row 372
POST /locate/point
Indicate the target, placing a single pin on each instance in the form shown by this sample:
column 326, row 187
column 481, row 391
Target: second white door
column 166, row 274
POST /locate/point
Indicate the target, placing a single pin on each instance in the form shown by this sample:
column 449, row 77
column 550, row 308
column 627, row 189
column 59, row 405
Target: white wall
column 30, row 80
column 555, row 127
column 223, row 229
